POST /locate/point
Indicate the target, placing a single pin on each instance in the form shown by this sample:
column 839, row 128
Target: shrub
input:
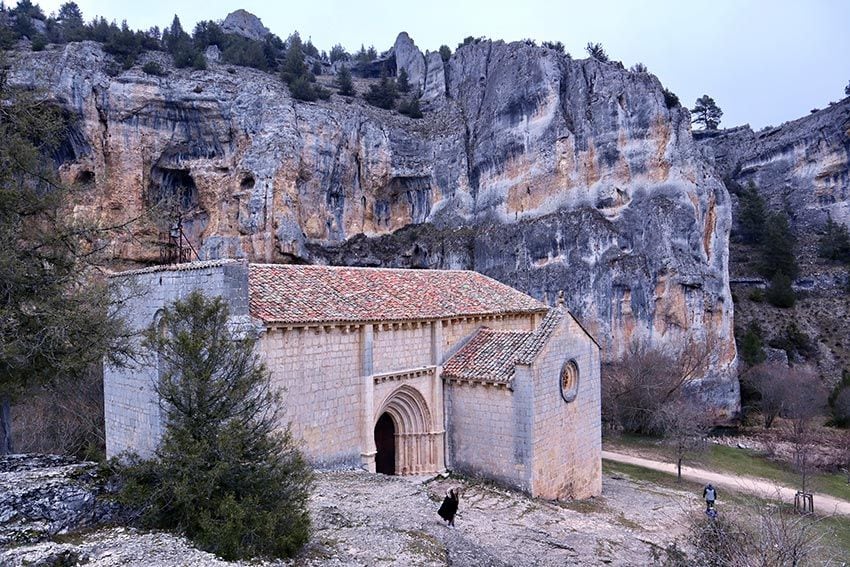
column 223, row 474
column 639, row 68
column 445, row 53
column 752, row 214
column 343, row 82
column 382, row 95
column 780, row 293
column 316, row 69
column 757, row 295
column 777, row 249
column 410, row 108
column 39, row 42
column 751, row 345
column 596, row 51
column 338, row 53
column 403, row 81
column 302, row 89
column 834, row 244
column 556, row 45
column 839, row 401
column 154, row 68
column 670, row 99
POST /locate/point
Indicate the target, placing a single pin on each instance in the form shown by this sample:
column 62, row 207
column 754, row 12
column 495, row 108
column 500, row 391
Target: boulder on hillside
column 244, row 23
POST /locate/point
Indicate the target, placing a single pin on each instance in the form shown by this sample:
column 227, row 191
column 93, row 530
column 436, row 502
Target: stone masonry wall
column 401, row 346
column 484, row 438
column 567, row 435
column 133, row 419
column 319, row 373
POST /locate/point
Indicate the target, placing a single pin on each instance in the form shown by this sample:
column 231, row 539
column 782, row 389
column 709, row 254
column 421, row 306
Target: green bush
column 344, row 83
column 410, row 108
column 39, row 42
column 757, row 295
column 154, row 68
column 780, row 293
column 834, row 244
column 224, row 475
column 445, row 53
column 751, row 345
column 777, row 249
column 382, row 95
column 403, row 82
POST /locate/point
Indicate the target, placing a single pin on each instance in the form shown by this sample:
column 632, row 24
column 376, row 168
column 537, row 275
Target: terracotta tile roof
column 492, row 355
column 287, row 293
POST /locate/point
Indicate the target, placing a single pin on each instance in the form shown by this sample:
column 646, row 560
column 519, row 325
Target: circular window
column 569, row 380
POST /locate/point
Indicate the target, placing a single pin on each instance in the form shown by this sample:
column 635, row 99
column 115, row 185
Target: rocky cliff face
column 802, row 166
column 544, row 172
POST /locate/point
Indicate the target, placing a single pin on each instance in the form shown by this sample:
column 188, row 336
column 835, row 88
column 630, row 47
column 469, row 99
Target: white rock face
column 408, row 56
column 435, row 78
column 246, row 24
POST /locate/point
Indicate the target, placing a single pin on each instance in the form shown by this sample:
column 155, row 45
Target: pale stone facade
column 419, row 390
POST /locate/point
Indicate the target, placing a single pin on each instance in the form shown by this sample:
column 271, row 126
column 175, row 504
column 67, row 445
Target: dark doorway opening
column 385, row 444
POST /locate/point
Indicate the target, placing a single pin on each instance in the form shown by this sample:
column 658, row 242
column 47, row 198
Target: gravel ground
column 363, row 519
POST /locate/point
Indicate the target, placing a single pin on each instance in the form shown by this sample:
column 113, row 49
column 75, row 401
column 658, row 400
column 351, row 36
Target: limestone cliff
column 544, row 172
column 802, row 166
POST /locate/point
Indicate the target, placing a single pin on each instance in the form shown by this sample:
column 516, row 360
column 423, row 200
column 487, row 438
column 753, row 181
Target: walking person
column 710, row 495
column 448, row 509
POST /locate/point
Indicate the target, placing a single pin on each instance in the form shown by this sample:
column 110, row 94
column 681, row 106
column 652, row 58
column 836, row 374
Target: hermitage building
column 406, row 372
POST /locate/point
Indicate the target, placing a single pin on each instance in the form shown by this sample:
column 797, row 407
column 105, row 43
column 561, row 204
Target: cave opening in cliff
column 84, row 177
column 172, row 187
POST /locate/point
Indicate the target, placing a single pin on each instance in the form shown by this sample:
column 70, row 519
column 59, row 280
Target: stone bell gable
column 395, row 371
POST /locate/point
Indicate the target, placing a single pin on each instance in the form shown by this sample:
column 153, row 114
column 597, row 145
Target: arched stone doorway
column 416, row 448
column 385, row 445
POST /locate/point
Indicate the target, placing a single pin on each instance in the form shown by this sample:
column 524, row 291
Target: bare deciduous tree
column 646, row 378
column 801, row 409
column 684, row 425
column 763, row 533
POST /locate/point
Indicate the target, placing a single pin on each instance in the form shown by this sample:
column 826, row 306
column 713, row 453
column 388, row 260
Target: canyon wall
column 544, row 172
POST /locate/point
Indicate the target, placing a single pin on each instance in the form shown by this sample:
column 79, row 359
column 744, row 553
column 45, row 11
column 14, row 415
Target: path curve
column 824, row 505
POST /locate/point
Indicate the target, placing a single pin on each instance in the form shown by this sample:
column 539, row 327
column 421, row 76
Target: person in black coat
column 448, row 509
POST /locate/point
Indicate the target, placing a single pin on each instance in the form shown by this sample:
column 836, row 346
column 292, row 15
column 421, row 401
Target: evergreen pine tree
column 343, row 81
column 706, row 112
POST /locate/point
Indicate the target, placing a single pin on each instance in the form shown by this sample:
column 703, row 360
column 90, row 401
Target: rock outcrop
column 544, row 172
column 802, row 166
column 45, row 495
column 246, row 24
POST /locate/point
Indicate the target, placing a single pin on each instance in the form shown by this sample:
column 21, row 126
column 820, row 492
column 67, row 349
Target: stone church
column 407, row 372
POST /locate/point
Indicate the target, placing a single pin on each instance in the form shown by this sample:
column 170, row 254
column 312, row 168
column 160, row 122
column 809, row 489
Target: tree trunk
column 679, row 469
column 5, row 425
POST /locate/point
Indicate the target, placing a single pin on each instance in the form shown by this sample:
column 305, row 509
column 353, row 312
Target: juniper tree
column 777, row 253
column 706, row 112
column 752, row 214
column 55, row 319
column 344, row 83
column 225, row 473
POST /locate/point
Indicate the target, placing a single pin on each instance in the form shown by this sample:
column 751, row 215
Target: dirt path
column 824, row 504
